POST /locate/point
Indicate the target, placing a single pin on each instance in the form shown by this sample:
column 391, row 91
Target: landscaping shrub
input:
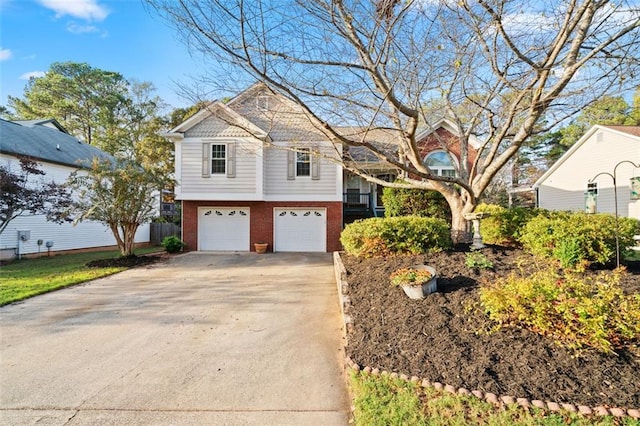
column 173, row 244
column 415, row 202
column 395, row 235
column 504, row 226
column 577, row 311
column 574, row 238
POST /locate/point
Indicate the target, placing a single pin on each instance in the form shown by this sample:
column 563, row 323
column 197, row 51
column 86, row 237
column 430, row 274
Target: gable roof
column 210, row 110
column 449, row 126
column 37, row 140
column 633, row 131
column 51, row 122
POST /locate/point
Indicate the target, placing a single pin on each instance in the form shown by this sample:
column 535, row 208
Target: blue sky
column 114, row 35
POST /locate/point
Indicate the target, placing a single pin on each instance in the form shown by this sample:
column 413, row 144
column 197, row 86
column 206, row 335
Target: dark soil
column 441, row 339
column 126, row 261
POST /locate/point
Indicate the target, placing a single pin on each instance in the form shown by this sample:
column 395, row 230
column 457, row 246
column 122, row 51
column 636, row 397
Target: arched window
column 441, row 164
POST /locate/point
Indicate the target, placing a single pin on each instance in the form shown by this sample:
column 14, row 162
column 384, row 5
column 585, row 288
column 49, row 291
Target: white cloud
column 5, row 54
column 75, row 28
column 34, row 74
column 89, row 10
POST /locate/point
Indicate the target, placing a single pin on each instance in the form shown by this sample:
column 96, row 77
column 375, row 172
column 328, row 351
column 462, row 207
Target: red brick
column 261, row 217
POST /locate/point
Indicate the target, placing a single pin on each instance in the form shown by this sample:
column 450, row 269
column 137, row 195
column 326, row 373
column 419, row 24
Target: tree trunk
column 129, row 233
column 460, row 227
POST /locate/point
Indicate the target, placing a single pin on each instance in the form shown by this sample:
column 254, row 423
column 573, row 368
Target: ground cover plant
column 447, row 337
column 30, row 277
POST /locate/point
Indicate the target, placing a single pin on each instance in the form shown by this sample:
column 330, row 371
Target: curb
column 497, row 400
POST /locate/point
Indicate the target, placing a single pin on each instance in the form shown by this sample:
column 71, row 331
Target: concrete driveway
column 205, row 339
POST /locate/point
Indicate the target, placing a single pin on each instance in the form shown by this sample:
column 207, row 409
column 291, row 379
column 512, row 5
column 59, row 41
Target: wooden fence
column 161, row 230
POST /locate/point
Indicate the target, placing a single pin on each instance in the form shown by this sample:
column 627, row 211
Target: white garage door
column 298, row 229
column 223, row 228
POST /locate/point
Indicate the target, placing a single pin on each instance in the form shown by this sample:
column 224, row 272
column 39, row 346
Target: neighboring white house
column 257, row 170
column 602, row 149
column 58, row 154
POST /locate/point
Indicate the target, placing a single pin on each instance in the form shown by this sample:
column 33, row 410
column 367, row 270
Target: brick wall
column 261, row 220
column 434, row 142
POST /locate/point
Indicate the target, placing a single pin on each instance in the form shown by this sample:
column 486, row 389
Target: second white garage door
column 223, row 228
column 298, row 229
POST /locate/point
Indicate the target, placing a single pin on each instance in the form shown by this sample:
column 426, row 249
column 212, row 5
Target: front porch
column 359, row 205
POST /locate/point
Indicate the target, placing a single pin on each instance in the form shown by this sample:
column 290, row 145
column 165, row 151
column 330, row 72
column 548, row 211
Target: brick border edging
column 497, row 400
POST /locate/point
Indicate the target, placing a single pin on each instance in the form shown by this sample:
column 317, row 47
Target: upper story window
column 441, row 164
column 303, row 162
column 592, row 187
column 218, row 159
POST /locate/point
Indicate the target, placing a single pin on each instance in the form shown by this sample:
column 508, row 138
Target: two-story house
column 257, row 170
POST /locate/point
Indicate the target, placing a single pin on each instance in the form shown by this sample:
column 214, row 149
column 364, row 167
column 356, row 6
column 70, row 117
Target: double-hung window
column 303, row 162
column 218, row 159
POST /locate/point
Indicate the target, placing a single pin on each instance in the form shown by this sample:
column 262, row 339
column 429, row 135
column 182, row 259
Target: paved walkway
column 203, row 339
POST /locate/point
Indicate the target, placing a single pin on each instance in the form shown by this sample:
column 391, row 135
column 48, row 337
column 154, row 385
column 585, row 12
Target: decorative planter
column 420, row 291
column 261, row 247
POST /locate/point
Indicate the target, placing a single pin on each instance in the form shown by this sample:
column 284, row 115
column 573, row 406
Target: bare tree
column 500, row 70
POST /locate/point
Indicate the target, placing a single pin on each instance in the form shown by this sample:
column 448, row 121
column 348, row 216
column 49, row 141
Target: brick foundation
column 261, row 220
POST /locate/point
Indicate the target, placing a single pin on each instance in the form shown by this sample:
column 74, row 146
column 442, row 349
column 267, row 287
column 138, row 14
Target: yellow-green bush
column 577, row 311
column 574, row 238
column 504, row 226
column 395, row 235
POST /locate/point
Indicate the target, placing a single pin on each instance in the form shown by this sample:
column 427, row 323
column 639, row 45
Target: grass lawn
column 382, row 400
column 25, row 278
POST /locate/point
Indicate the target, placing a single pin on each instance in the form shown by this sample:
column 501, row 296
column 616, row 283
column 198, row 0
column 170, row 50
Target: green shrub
column 577, row 311
column 415, row 202
column 477, row 260
column 395, row 235
column 504, row 226
column 574, row 238
column 173, row 244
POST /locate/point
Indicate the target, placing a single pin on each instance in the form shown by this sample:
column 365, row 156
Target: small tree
column 121, row 195
column 21, row 194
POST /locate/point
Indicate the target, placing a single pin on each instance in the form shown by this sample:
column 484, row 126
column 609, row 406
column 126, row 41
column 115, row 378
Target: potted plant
column 261, row 247
column 416, row 281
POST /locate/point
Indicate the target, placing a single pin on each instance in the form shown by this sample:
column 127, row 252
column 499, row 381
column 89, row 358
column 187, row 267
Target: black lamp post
column 615, row 200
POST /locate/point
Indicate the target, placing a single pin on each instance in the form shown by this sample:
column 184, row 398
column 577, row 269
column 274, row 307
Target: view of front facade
column 255, row 170
column 258, row 170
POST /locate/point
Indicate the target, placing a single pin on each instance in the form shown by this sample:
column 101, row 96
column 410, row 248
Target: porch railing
column 358, row 203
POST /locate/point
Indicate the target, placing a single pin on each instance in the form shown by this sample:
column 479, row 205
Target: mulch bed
column 127, row 261
column 442, row 340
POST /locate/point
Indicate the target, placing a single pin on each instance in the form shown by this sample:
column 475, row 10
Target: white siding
column 218, row 187
column 277, row 187
column 564, row 188
column 65, row 236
